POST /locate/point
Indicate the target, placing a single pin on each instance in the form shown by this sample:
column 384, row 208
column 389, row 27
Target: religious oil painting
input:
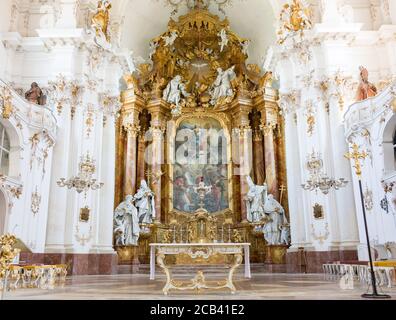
column 201, row 156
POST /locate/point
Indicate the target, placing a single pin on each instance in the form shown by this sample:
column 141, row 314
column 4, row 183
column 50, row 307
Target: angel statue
column 153, row 48
column 256, row 198
column 100, row 20
column 221, row 87
column 173, row 93
column 245, row 47
column 144, row 201
column 126, row 223
column 224, row 39
column 170, row 38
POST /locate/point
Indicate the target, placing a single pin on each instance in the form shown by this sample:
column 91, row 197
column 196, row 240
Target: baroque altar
column 196, row 121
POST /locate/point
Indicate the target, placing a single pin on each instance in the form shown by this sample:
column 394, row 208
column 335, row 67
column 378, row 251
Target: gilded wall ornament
column 295, row 19
column 7, row 108
column 13, row 189
column 311, row 118
column 101, row 20
column 197, row 4
column 318, row 211
column 368, row 199
column 40, row 144
column 83, row 238
column 35, row 202
column 85, row 214
column 320, row 236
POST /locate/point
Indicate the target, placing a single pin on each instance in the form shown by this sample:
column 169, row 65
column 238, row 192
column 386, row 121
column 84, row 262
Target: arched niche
column 389, row 143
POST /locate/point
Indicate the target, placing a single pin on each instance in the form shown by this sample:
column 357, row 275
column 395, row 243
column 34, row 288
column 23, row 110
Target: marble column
column 269, row 122
column 107, row 176
column 156, row 154
column 130, row 179
column 55, row 238
column 131, row 109
column 258, row 150
column 244, row 156
column 141, row 161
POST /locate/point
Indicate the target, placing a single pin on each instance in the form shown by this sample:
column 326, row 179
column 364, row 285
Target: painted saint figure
column 126, row 223
column 144, row 201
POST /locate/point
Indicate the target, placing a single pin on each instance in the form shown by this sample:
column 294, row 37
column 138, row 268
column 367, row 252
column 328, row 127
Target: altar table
column 203, row 251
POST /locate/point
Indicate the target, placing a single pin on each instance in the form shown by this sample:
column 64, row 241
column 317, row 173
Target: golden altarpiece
column 192, row 48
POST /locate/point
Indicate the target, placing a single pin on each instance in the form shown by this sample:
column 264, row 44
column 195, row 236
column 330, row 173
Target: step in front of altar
column 185, row 270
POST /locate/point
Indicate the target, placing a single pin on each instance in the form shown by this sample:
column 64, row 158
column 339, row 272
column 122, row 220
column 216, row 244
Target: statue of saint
column 100, row 20
column 173, row 93
column 222, row 88
column 126, row 223
column 223, row 39
column 276, row 220
column 35, row 94
column 366, row 89
column 144, row 201
column 256, row 198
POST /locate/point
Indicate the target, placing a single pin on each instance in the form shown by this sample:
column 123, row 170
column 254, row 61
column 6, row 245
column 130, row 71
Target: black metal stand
column 375, row 294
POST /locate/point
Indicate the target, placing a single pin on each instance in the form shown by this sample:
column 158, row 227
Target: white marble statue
column 153, row 49
column 285, row 234
column 256, row 198
column 126, row 223
column 245, row 47
column 276, row 220
column 174, row 91
column 223, row 39
column 144, row 202
column 170, row 39
column 222, row 85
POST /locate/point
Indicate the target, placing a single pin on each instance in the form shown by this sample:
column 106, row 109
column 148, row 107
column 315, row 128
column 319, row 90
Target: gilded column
column 243, row 134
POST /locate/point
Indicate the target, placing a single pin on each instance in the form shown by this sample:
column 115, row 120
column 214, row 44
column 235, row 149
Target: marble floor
column 138, row 286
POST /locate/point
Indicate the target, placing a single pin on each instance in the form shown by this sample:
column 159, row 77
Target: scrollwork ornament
column 295, row 18
column 321, row 236
column 35, row 202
